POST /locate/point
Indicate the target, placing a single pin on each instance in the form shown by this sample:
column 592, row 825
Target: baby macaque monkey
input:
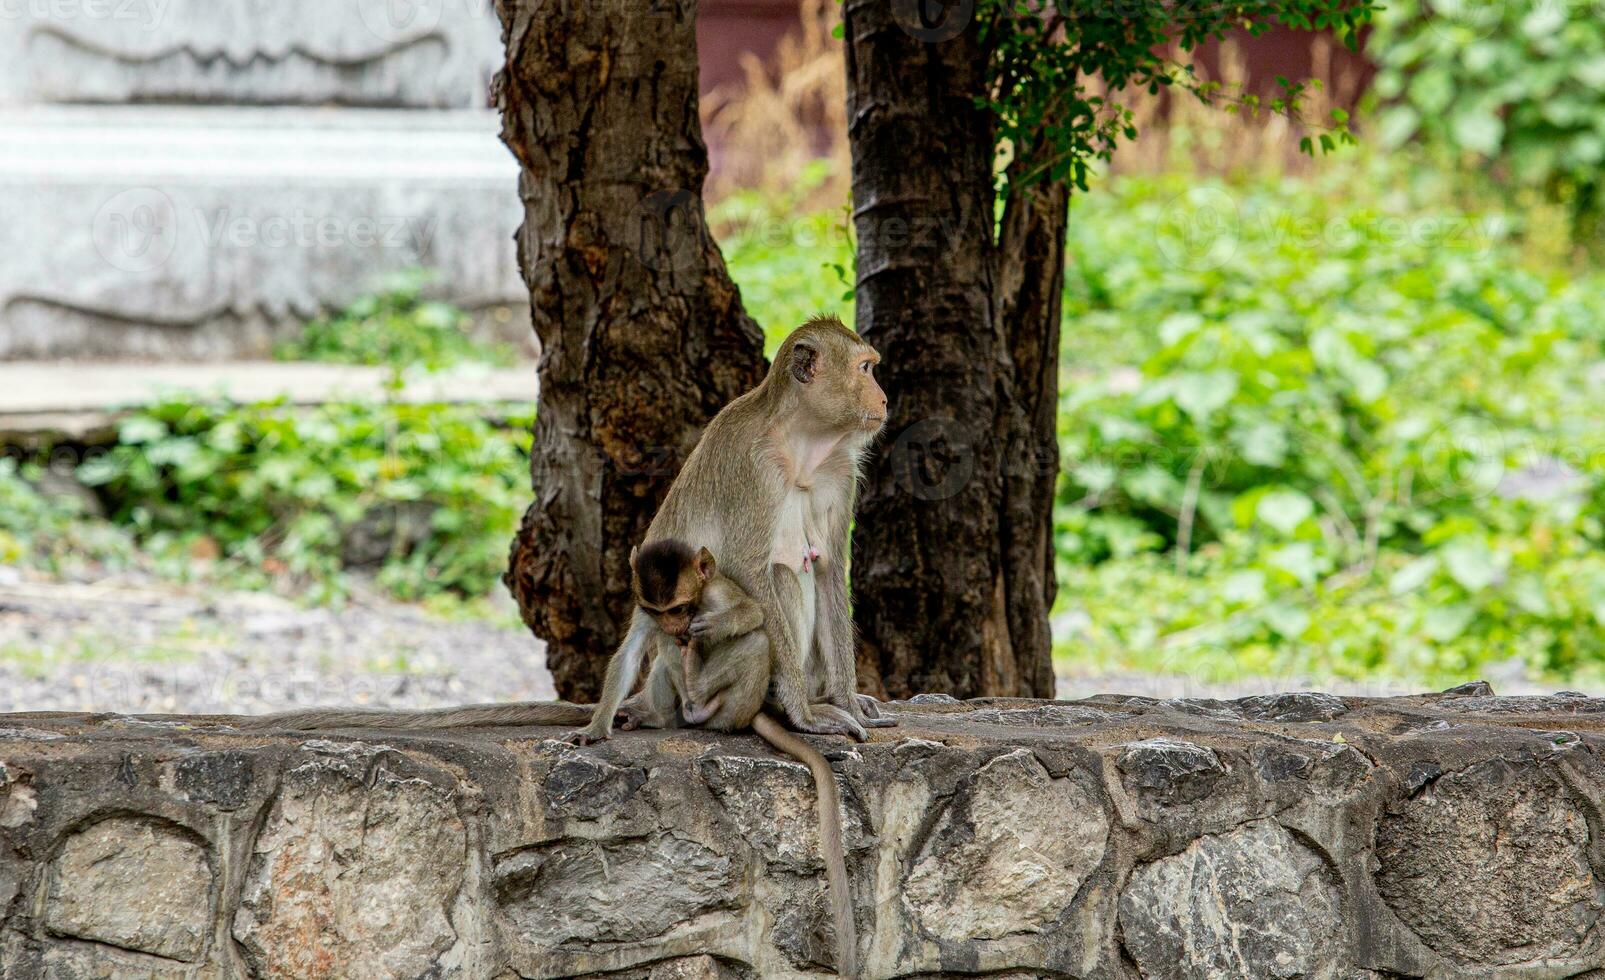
column 720, row 675
column 718, row 678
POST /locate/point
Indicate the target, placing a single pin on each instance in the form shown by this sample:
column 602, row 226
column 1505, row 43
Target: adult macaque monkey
column 772, row 483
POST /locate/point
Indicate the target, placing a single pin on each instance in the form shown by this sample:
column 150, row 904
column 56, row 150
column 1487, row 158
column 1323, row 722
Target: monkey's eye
column 680, row 610
column 866, row 366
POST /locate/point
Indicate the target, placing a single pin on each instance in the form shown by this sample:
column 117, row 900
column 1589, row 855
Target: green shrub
column 53, row 534
column 429, row 494
column 1335, row 394
column 1519, row 84
column 789, row 267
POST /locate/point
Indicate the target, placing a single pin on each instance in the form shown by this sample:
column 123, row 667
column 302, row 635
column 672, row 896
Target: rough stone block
column 1297, row 836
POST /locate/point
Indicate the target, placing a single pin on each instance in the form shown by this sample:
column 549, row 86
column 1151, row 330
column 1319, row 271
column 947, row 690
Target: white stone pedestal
column 205, row 233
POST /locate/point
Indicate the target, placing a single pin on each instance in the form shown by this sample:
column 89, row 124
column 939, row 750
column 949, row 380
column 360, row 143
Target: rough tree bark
column 643, row 334
column 952, row 560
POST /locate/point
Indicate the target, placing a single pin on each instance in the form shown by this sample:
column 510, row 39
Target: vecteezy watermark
column 933, row 459
column 147, row 13
column 300, row 229
column 667, row 232
column 137, row 231
column 933, row 20
column 392, row 21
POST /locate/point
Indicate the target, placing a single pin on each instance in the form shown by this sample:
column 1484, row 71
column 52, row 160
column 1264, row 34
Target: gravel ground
column 154, row 648
column 149, row 647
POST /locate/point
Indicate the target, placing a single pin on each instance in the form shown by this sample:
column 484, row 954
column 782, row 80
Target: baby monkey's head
column 667, row 578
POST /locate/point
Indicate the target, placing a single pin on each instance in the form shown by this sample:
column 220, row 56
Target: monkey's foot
column 831, row 720
column 871, row 714
column 698, row 716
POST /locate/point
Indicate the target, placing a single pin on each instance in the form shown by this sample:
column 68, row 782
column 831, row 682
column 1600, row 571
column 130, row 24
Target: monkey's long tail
column 831, row 836
column 512, row 713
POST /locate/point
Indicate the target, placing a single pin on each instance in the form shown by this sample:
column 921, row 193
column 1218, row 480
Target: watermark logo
column 933, row 459
column 149, row 14
column 933, row 20
column 136, row 231
column 1468, row 20
column 1199, row 230
column 400, row 20
column 667, row 232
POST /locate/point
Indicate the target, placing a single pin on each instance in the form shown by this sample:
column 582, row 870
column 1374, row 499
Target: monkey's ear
column 804, row 363
column 706, row 566
column 633, row 552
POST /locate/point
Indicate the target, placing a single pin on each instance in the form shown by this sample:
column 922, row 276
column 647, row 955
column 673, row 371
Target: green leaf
column 1413, row 575
column 1203, row 394
column 1477, row 129
column 1289, row 621
column 1397, row 125
column 1263, row 443
column 1449, row 622
column 140, row 429
column 1470, row 562
column 1298, row 560
column 1285, row 509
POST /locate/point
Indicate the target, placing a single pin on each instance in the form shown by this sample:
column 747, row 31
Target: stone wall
column 1289, row 836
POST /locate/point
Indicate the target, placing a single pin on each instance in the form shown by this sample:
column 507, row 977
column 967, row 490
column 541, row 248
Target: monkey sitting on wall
column 718, row 678
column 770, row 489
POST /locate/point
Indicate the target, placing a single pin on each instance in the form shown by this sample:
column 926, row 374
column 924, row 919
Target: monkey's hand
column 706, row 628
column 585, row 736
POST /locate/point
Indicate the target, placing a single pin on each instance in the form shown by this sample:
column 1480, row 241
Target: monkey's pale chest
column 799, row 533
column 798, row 544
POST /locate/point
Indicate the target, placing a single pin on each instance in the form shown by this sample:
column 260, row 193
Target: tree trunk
column 1030, row 302
column 643, row 333
column 948, row 565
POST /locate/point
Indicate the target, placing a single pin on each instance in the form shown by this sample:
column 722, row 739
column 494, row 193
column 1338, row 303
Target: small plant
column 396, row 328
column 53, row 534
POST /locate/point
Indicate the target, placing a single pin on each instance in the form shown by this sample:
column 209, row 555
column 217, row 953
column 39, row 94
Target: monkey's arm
column 838, row 644
column 730, row 614
column 790, row 684
column 622, row 671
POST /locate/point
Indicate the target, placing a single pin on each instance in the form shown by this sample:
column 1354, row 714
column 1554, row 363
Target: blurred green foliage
column 789, row 267
column 1380, row 424
column 428, row 496
column 1518, row 84
column 52, row 533
column 395, row 327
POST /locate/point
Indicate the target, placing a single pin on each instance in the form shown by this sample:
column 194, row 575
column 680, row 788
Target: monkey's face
column 668, row 579
column 837, row 377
